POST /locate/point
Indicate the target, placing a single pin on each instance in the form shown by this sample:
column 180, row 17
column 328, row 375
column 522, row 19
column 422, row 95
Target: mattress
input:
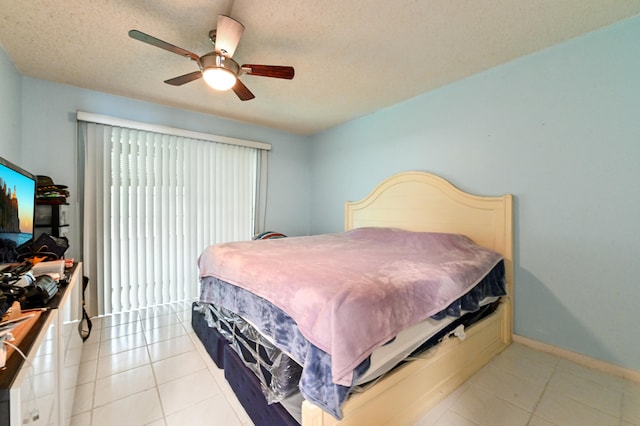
column 279, row 370
column 428, row 332
column 267, row 360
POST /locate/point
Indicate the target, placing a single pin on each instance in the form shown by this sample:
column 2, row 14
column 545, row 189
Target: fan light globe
column 219, row 78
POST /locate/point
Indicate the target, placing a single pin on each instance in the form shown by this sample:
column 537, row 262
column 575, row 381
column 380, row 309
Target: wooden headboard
column 419, row 201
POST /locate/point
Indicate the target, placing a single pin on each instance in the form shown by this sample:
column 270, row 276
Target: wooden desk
column 41, row 390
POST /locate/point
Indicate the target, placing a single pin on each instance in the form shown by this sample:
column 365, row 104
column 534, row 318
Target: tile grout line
column 95, row 376
column 99, row 345
column 544, row 391
column 599, row 384
column 93, row 380
column 153, row 372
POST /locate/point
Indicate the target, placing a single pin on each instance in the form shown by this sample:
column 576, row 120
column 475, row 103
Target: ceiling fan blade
column 228, row 33
column 275, row 71
column 242, row 91
column 184, row 79
column 146, row 38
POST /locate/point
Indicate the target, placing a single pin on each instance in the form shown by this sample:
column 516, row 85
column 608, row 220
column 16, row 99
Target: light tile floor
column 149, row 368
column 523, row 386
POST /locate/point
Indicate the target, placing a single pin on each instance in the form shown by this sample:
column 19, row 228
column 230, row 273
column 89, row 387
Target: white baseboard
column 625, row 373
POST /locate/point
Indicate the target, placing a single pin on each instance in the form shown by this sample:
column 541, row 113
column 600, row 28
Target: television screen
column 17, row 207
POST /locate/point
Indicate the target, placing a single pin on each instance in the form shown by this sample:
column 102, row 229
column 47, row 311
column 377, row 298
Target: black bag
column 47, row 246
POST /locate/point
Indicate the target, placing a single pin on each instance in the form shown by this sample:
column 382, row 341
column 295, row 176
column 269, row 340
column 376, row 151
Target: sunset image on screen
column 16, row 191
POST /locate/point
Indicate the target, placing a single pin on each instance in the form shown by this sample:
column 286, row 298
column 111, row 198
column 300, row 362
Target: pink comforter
column 351, row 292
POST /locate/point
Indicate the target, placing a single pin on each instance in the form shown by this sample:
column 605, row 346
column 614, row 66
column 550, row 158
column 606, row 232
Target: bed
column 411, row 201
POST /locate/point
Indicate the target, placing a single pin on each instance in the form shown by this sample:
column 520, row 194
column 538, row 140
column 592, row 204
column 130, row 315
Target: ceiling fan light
column 219, row 78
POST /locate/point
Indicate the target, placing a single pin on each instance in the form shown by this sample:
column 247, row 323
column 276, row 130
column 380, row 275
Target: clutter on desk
column 15, row 324
column 31, row 283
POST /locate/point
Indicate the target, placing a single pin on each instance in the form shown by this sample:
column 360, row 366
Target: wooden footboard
column 407, row 393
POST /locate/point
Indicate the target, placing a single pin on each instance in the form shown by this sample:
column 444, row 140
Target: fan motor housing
column 214, row 60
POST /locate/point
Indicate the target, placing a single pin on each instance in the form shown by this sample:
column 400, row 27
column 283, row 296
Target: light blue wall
column 10, row 110
column 49, row 146
column 560, row 130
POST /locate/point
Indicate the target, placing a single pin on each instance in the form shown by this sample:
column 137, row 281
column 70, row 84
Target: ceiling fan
column 217, row 68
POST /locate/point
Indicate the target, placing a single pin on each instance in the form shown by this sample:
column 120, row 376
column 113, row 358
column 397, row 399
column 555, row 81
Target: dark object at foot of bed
column 247, row 388
column 244, row 383
column 210, row 338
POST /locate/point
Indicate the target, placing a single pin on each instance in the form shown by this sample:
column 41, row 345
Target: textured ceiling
column 351, row 57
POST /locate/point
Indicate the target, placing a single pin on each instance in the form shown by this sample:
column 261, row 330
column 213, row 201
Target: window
column 153, row 201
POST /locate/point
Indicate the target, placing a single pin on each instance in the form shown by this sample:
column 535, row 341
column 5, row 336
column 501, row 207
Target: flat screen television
column 17, row 209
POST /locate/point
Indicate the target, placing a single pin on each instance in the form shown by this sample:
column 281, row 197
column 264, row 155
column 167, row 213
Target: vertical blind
column 152, row 203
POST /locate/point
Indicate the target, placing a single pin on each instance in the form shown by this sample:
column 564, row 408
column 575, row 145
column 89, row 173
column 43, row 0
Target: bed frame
column 419, row 201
